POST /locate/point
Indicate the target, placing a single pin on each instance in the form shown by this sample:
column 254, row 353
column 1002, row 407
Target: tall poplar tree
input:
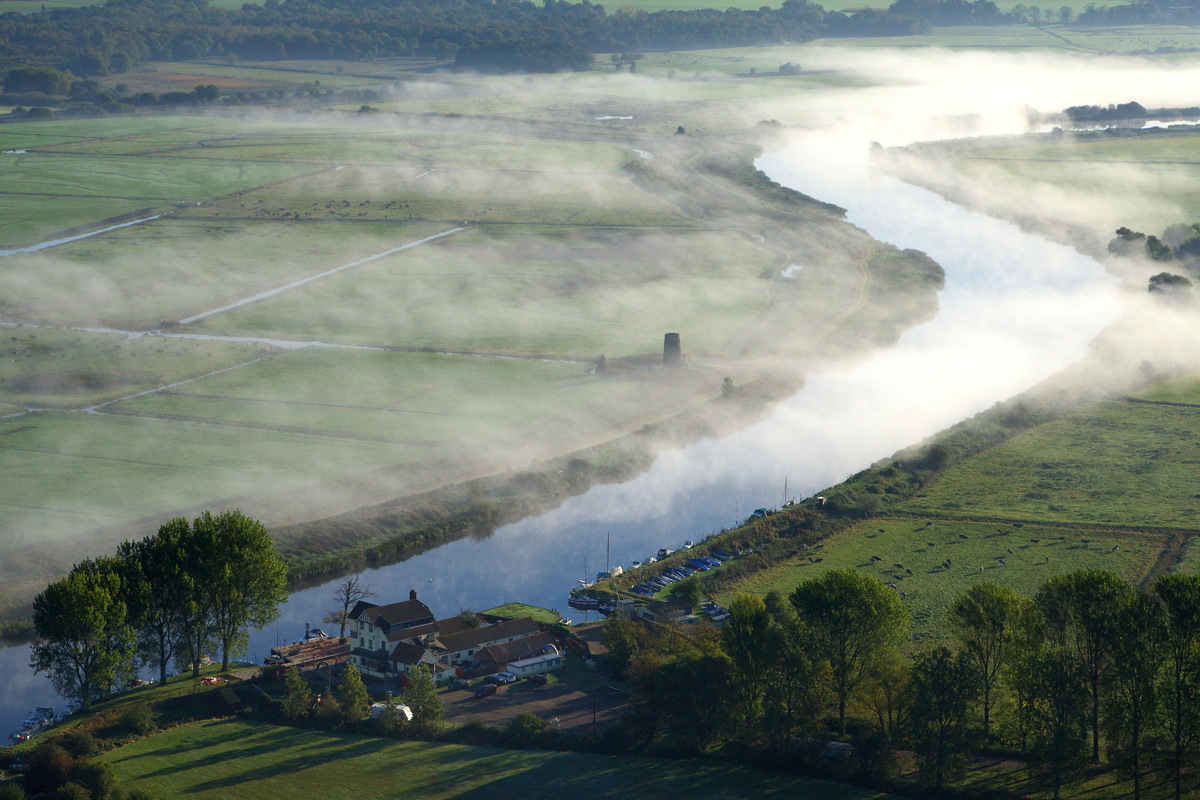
column 247, row 578
column 853, row 619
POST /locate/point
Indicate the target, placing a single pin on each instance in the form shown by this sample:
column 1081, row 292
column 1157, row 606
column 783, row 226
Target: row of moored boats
column 36, row 721
column 652, row 586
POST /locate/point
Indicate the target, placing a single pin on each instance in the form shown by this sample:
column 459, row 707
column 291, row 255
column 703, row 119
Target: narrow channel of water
column 1015, row 309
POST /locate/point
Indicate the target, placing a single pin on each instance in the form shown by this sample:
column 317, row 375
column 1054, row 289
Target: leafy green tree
column 390, row 721
column 353, row 694
column 197, row 617
column 298, row 697
column 1028, row 638
column 688, row 591
column 97, row 777
column 700, row 687
column 421, row 697
column 1082, row 610
column 1058, row 697
column 747, row 638
column 525, row 730
column 154, row 568
column 854, row 619
column 798, row 683
column 248, row 578
column 886, row 692
column 84, row 642
column 981, row 619
column 1137, row 657
column 46, row 80
column 1179, row 688
column 625, row 640
column 944, row 686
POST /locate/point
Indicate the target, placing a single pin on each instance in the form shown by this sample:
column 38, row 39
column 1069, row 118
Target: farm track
column 321, row 433
column 266, row 401
column 1042, row 523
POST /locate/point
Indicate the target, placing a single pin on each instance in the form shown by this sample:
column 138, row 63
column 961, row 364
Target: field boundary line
column 1171, row 403
column 310, row 279
column 96, row 408
column 1100, row 527
column 33, row 248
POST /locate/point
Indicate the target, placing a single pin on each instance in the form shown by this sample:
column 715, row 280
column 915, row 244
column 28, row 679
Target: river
column 1015, row 309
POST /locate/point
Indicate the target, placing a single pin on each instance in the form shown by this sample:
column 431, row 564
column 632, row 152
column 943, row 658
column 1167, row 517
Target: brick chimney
column 412, row 594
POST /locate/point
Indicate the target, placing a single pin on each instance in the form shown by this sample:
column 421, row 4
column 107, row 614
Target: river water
column 1015, row 309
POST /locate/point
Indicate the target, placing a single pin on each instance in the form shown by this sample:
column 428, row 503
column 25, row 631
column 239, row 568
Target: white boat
column 41, row 718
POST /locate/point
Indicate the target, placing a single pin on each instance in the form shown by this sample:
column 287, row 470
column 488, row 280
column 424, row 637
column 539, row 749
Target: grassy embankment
column 231, row 759
column 1108, row 485
column 1078, row 188
column 573, row 246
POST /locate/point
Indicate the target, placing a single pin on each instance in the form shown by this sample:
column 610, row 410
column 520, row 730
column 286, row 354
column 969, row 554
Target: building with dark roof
column 459, row 648
column 496, row 657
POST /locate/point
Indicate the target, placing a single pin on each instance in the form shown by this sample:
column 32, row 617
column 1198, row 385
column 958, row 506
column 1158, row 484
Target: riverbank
column 1023, row 470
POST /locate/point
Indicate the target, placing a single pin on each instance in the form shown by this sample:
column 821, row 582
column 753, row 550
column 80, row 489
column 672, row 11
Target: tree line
column 97, row 40
column 185, row 593
column 1088, row 665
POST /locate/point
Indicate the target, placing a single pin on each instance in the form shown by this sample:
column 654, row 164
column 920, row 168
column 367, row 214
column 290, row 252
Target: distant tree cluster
column 178, row 596
column 1179, row 244
column 1130, row 110
column 93, row 41
column 1088, row 660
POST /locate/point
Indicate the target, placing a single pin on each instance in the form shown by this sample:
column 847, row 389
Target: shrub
column 72, row 791
column 525, row 730
column 136, row 720
column 50, row 767
column 97, row 777
column 80, row 744
column 11, row 791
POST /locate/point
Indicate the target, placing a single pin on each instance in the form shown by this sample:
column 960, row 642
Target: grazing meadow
column 1110, row 486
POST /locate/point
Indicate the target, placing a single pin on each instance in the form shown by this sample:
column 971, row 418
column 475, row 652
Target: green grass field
column 1146, row 182
column 931, row 588
column 229, row 759
column 1111, row 486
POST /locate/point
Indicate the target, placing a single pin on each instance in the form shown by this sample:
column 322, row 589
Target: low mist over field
column 318, row 312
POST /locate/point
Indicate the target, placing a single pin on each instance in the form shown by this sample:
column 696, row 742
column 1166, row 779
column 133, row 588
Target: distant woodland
column 481, row 34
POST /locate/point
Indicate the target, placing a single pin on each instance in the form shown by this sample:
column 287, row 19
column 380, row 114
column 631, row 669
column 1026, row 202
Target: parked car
column 485, row 690
column 461, row 683
column 537, row 680
column 500, row 678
